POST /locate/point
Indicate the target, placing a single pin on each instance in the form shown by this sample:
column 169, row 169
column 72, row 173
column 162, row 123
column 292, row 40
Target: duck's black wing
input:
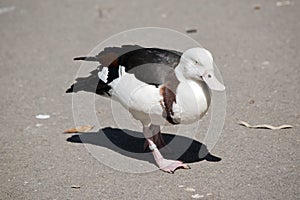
column 150, row 65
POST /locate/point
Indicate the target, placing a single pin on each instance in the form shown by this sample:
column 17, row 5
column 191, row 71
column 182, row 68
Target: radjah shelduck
column 159, row 87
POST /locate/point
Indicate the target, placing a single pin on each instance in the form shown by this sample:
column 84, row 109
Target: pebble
column 192, row 30
column 42, row 116
column 197, row 196
column 251, row 101
column 283, row 3
column 189, row 189
column 257, row 7
column 6, row 9
column 265, row 63
column 209, row 194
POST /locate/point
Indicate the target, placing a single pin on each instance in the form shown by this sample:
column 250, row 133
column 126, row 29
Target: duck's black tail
column 87, row 58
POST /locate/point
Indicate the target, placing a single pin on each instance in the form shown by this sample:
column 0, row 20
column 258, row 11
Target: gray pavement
column 256, row 50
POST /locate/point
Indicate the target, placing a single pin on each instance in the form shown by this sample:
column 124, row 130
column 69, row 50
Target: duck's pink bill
column 212, row 82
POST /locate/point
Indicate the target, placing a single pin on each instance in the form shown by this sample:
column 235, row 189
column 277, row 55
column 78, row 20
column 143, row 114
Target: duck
column 159, row 87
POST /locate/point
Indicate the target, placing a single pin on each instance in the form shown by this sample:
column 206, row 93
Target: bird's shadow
column 131, row 144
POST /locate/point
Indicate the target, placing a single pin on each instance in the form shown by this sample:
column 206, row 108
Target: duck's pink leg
column 164, row 164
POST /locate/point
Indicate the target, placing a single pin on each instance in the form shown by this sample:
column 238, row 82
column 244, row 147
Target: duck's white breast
column 192, row 99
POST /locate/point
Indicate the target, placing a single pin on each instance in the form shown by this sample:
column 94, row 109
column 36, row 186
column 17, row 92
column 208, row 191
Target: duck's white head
column 197, row 64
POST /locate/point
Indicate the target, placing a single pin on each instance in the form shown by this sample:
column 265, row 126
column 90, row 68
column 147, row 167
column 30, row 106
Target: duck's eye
column 196, row 62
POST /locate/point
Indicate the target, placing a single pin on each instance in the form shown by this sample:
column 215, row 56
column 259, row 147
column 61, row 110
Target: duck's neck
column 179, row 73
column 201, row 87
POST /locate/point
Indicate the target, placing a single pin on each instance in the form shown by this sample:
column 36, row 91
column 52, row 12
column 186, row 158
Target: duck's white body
column 144, row 101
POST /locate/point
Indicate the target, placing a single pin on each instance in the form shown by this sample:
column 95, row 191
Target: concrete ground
column 255, row 45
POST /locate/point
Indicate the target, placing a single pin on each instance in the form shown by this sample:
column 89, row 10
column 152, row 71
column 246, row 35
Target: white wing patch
column 115, row 82
column 103, row 74
column 121, row 71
